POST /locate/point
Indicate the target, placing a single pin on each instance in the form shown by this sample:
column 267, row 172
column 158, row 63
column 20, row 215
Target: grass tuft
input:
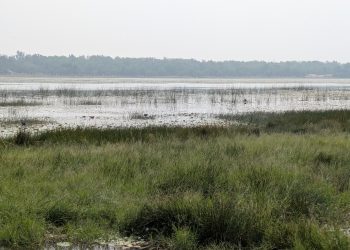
column 22, row 138
column 184, row 238
column 60, row 214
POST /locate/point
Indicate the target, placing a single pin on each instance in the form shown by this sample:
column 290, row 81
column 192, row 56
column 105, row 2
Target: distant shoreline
column 170, row 77
column 104, row 66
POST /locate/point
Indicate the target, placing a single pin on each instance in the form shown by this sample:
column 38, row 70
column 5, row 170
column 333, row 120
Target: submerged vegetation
column 276, row 181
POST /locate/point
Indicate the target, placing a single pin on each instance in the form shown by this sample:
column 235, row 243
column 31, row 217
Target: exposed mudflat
column 115, row 244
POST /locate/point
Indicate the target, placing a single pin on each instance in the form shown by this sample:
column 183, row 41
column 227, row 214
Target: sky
column 270, row 30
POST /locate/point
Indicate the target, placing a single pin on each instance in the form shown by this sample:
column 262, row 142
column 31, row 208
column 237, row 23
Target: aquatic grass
column 72, row 101
column 233, row 97
column 24, row 121
column 141, row 116
column 19, row 103
column 90, row 102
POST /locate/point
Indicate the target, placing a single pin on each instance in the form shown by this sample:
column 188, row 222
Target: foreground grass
column 183, row 188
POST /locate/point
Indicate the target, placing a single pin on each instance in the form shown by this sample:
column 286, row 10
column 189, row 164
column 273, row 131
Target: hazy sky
column 270, row 30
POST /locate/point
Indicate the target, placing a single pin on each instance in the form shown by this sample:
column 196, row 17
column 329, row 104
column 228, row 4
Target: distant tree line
column 23, row 64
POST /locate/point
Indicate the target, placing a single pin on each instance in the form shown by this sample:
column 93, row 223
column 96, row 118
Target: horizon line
column 175, row 58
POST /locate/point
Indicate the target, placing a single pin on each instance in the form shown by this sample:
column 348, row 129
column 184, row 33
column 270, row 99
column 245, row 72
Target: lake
column 49, row 103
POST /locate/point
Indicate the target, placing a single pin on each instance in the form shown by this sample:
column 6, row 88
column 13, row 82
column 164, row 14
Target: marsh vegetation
column 18, row 103
column 108, row 103
column 274, row 181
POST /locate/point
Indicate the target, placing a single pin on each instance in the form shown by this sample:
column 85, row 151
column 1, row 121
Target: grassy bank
column 255, row 185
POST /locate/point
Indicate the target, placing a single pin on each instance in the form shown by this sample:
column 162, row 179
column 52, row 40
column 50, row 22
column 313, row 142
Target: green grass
column 296, row 122
column 182, row 188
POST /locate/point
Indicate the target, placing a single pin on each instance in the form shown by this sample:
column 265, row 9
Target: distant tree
column 36, row 64
column 20, row 55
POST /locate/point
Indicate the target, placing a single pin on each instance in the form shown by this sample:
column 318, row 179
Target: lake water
column 48, row 103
